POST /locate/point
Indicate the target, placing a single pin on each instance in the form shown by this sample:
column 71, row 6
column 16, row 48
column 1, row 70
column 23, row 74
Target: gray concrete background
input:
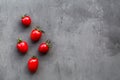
column 85, row 36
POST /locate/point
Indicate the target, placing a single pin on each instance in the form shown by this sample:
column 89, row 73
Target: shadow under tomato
column 34, row 42
column 23, row 26
column 42, row 54
column 27, row 71
column 21, row 54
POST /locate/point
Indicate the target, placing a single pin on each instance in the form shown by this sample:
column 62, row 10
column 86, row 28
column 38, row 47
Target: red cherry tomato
column 36, row 34
column 33, row 64
column 26, row 20
column 44, row 47
column 22, row 46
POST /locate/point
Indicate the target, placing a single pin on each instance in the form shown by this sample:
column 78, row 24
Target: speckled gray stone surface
column 85, row 36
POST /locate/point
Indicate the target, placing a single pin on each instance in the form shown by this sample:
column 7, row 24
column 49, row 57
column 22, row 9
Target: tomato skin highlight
column 43, row 48
column 26, row 20
column 35, row 35
column 33, row 64
column 22, row 47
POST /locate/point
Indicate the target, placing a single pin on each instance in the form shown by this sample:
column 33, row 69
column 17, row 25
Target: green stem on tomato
column 48, row 42
column 19, row 40
column 39, row 29
column 34, row 57
column 24, row 15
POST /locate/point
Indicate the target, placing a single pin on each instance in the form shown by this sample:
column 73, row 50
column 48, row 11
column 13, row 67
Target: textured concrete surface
column 85, row 36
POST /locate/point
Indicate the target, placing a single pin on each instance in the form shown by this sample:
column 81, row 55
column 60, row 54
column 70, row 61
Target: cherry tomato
column 44, row 47
column 33, row 64
column 26, row 20
column 22, row 46
column 36, row 34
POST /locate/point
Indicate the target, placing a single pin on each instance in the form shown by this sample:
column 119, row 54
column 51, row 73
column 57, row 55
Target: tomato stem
column 24, row 15
column 19, row 40
column 48, row 42
column 39, row 29
column 34, row 57
column 42, row 31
